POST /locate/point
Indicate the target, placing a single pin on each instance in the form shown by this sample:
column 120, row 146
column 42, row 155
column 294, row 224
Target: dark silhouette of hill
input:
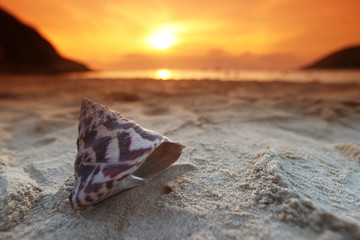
column 24, row 50
column 348, row 58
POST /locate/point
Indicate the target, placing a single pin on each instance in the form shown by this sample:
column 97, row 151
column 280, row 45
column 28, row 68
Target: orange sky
column 114, row 34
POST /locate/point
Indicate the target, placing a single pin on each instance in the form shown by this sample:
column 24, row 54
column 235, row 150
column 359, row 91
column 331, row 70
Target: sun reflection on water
column 163, row 74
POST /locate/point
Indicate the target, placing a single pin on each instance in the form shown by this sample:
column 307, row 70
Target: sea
column 323, row 76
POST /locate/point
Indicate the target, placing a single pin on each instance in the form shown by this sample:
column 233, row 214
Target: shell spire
column 115, row 154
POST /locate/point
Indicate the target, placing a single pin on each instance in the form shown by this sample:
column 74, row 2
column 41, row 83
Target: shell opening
column 159, row 160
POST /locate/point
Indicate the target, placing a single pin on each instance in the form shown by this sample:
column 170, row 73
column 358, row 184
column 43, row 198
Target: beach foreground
column 271, row 160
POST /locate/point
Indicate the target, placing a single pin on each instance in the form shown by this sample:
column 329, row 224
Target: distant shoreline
column 296, row 76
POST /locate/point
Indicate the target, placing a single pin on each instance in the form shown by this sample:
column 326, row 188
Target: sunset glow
column 163, row 39
column 113, row 35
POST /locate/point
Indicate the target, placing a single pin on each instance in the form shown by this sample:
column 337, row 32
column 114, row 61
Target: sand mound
column 301, row 194
column 17, row 196
column 350, row 150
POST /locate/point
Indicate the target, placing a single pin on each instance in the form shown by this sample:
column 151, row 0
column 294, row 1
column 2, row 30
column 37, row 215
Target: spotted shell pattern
column 110, row 148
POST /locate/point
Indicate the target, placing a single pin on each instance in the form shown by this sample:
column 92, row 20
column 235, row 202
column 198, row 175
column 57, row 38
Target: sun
column 163, row 39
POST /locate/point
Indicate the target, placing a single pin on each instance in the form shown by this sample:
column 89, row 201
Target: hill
column 24, row 50
column 348, row 58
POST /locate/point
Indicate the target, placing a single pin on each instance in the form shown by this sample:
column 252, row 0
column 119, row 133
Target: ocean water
column 325, row 76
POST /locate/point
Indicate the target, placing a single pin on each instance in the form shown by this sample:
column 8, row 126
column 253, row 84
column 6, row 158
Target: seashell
column 115, row 154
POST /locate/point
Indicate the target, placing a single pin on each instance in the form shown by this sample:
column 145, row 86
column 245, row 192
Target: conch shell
column 115, row 154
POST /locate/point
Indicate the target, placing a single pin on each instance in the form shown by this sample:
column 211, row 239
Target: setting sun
column 163, row 39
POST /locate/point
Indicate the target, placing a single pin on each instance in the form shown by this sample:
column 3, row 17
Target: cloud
column 213, row 59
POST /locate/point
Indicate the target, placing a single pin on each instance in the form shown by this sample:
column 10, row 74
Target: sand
column 268, row 160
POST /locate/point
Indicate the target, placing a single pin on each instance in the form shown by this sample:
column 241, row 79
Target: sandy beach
column 263, row 160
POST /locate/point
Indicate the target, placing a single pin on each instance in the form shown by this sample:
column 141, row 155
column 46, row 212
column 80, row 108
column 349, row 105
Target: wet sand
column 270, row 160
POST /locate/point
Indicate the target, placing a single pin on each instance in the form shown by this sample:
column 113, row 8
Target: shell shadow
column 173, row 172
column 146, row 194
column 144, row 206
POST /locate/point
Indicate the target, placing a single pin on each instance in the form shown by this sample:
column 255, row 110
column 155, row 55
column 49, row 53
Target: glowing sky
column 114, row 34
